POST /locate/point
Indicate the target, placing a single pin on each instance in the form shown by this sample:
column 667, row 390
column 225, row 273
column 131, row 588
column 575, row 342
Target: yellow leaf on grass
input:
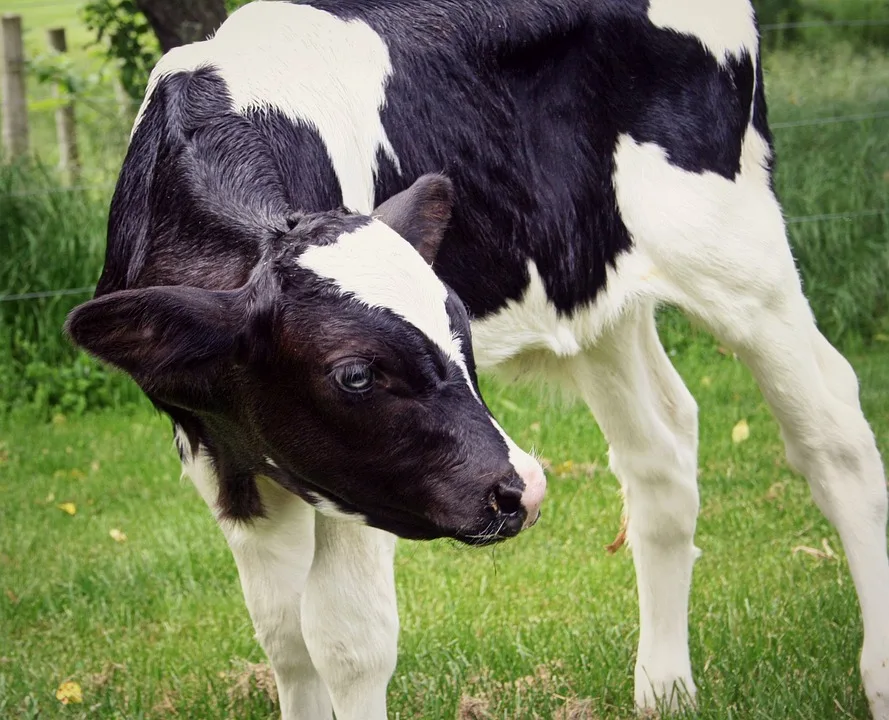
column 740, row 432
column 69, row 692
column 117, row 535
column 68, row 507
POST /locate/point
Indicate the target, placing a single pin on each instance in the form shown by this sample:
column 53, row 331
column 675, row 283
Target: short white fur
column 718, row 249
column 726, row 29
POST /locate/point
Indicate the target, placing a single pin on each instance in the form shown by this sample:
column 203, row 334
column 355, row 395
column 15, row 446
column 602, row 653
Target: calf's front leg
column 350, row 616
column 273, row 555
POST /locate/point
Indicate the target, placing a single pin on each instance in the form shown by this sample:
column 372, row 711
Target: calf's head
column 342, row 369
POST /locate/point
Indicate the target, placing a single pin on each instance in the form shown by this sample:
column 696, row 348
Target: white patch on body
column 381, row 269
column 721, row 252
column 316, row 69
column 654, row 197
column 533, row 323
column 725, row 27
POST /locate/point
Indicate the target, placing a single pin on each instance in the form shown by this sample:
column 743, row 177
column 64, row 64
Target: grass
column 835, row 168
column 156, row 624
column 49, row 240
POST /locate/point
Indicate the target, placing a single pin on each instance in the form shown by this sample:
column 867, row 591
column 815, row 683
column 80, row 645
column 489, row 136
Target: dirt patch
column 473, row 708
column 249, row 677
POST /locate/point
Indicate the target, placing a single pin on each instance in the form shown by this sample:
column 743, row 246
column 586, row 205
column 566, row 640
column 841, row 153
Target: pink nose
column 532, row 474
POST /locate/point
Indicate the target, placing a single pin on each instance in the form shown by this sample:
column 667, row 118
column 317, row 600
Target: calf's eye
column 355, row 377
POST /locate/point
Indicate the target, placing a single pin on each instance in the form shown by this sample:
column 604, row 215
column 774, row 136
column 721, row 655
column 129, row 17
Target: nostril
column 508, row 499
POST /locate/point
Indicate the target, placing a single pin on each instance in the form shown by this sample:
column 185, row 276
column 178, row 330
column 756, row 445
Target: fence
column 15, row 128
column 15, row 100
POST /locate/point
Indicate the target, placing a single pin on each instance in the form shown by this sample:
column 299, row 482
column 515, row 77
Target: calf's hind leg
column 722, row 254
column 650, row 421
column 813, row 392
column 753, row 300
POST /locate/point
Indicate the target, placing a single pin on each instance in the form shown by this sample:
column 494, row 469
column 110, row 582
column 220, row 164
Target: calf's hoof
column 656, row 696
column 875, row 678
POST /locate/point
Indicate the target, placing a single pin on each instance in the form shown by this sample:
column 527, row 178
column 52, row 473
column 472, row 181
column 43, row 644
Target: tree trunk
column 179, row 22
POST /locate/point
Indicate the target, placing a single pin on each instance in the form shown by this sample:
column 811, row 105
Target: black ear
column 421, row 213
column 171, row 340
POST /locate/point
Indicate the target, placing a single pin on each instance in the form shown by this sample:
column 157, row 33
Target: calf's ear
column 172, row 340
column 421, row 213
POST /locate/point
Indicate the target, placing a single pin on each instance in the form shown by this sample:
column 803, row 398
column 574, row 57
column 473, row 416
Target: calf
column 319, row 200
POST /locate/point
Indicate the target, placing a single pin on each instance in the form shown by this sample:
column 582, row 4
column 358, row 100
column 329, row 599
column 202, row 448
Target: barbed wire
column 25, row 5
column 851, row 215
column 770, row 27
column 781, row 125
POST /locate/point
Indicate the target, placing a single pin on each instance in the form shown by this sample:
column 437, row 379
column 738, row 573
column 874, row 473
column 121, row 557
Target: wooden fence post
column 15, row 102
column 66, row 128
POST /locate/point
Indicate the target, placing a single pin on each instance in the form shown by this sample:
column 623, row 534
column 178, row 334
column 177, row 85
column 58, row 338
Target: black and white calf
column 289, row 272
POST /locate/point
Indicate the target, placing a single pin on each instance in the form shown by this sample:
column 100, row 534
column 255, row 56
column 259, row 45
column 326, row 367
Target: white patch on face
column 316, row 69
column 381, row 269
column 724, row 27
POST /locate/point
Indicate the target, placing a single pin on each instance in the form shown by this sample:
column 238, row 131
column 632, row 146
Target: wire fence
column 812, row 24
column 778, row 125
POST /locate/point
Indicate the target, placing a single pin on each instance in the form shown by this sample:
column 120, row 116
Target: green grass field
column 543, row 626
column 156, row 624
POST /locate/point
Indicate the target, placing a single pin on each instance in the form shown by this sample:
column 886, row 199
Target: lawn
column 149, row 619
column 155, row 624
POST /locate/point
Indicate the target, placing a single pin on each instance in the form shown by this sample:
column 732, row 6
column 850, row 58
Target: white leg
column 273, row 556
column 650, row 421
column 721, row 253
column 350, row 616
column 813, row 392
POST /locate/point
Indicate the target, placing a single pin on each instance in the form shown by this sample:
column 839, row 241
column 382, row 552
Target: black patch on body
column 519, row 102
